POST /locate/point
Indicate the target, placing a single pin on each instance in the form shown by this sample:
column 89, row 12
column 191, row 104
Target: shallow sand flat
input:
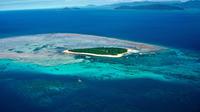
column 47, row 49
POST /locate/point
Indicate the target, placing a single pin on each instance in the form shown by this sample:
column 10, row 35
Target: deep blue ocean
column 176, row 29
column 168, row 28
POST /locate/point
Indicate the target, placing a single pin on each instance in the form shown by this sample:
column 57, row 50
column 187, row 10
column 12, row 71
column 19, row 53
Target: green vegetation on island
column 101, row 50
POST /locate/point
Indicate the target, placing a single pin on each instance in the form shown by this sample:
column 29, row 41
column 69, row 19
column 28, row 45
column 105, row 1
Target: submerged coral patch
column 47, row 49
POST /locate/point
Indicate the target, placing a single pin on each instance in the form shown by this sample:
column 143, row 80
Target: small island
column 102, row 51
column 151, row 7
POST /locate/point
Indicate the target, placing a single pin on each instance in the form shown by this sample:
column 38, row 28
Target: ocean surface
column 170, row 28
column 164, row 82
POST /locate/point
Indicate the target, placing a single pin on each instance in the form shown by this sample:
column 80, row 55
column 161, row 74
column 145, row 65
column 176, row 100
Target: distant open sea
column 22, row 91
column 168, row 28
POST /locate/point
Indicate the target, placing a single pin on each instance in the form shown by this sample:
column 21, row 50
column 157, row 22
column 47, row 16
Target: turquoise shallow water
column 164, row 65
